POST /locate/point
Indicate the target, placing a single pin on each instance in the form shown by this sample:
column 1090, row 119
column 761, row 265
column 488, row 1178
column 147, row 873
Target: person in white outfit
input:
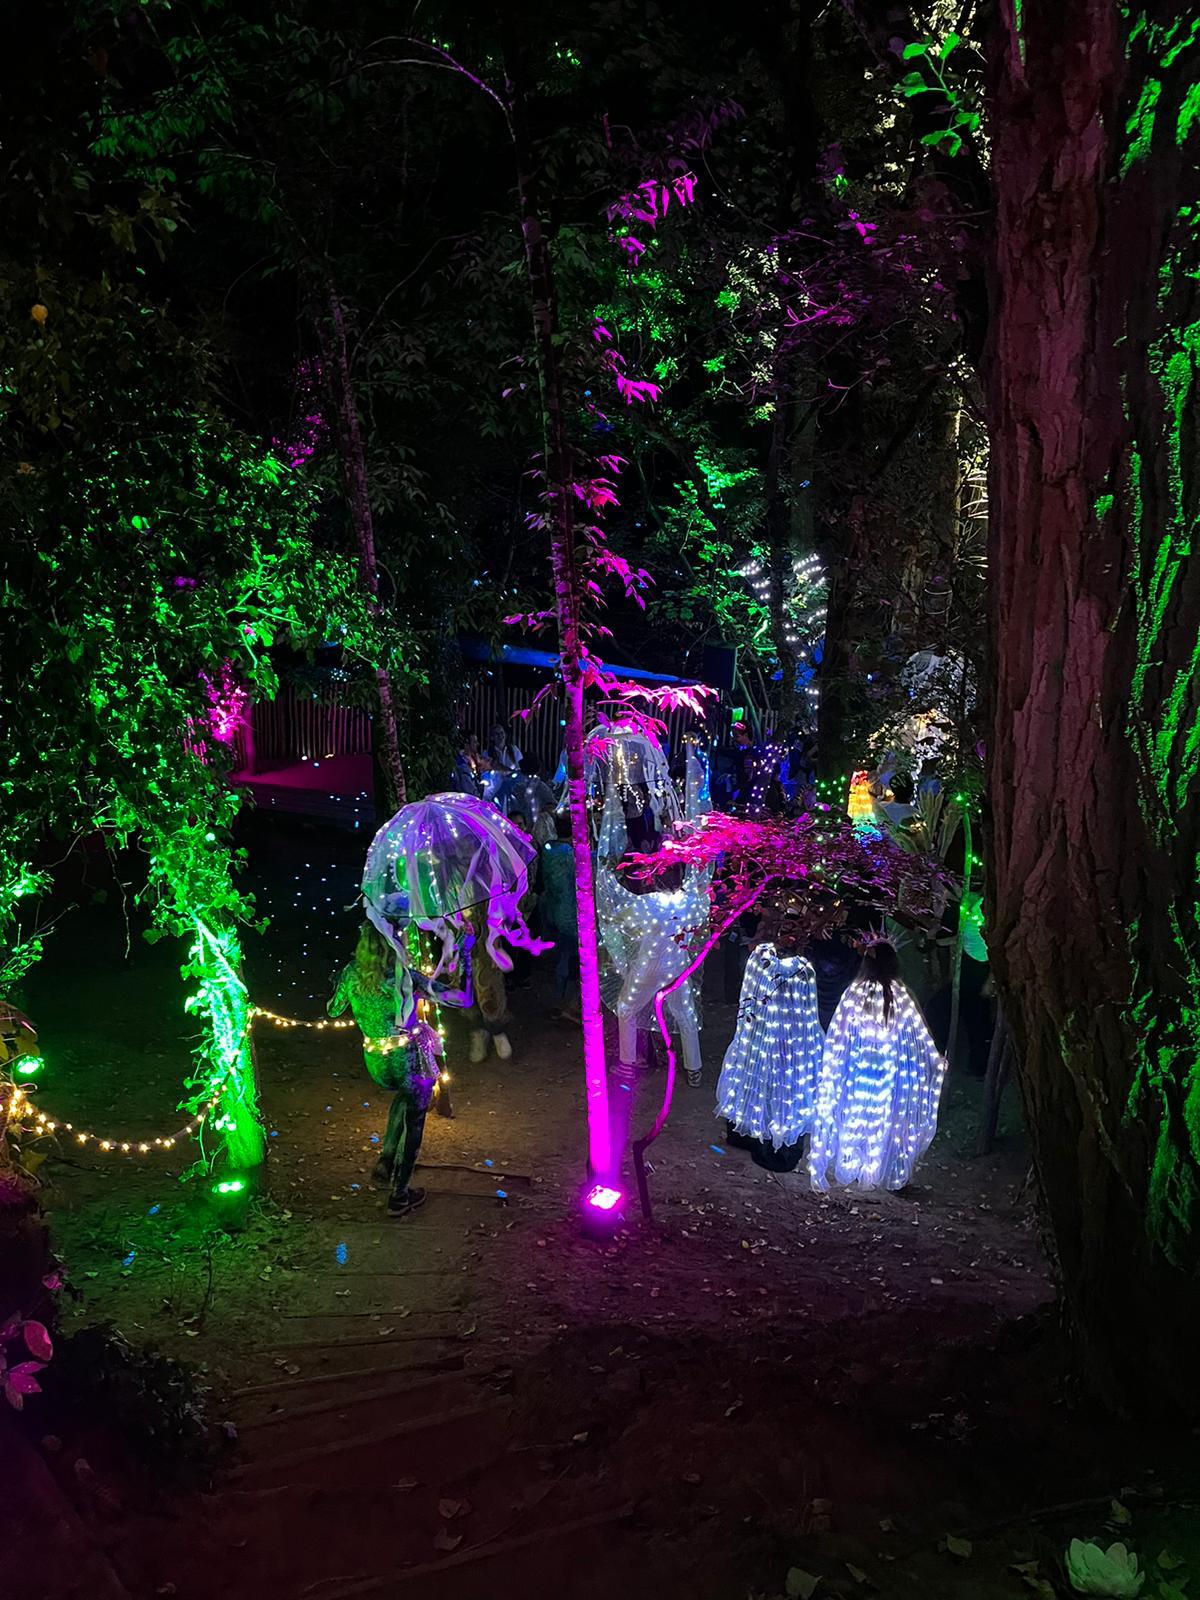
column 767, row 1091
column 881, row 1081
column 651, row 938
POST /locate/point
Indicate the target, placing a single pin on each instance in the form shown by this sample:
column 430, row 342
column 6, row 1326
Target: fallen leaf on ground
column 445, row 1540
column 801, row 1585
column 449, row 1509
column 955, row 1546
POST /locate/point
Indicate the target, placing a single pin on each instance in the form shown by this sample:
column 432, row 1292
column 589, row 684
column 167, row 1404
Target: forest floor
column 759, row 1389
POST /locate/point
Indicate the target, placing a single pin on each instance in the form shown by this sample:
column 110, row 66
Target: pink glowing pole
column 559, row 501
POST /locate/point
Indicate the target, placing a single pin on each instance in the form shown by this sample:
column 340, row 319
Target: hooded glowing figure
column 768, row 1084
column 881, row 1081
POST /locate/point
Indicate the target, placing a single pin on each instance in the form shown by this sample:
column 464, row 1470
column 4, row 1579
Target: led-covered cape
column 877, row 1101
column 436, row 859
column 768, row 1083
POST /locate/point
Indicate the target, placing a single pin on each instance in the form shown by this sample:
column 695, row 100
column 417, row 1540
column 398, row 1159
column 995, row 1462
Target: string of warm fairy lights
column 301, row 1022
column 40, row 1122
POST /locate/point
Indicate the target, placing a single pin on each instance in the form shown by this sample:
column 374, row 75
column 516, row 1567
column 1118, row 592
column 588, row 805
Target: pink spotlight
column 601, row 1198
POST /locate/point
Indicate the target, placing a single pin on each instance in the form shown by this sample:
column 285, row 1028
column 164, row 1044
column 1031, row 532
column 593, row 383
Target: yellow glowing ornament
column 860, row 804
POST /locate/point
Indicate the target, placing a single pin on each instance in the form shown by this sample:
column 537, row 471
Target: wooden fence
column 300, row 725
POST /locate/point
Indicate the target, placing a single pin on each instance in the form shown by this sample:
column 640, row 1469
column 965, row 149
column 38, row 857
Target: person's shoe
column 381, row 1172
column 693, row 1077
column 479, row 1046
column 402, row 1205
column 503, row 1048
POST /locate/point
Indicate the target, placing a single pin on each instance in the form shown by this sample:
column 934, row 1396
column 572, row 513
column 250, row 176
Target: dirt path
column 478, row 1401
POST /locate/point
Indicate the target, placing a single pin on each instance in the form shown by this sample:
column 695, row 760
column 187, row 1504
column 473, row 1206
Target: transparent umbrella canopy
column 440, row 857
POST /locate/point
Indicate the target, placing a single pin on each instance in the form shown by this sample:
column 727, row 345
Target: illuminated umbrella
column 440, row 857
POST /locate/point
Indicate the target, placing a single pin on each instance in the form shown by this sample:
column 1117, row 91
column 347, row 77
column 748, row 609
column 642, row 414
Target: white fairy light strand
column 319, row 1023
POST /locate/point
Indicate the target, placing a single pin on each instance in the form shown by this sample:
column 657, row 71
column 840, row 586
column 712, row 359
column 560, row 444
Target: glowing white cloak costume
column 877, row 1102
column 768, row 1083
column 650, row 938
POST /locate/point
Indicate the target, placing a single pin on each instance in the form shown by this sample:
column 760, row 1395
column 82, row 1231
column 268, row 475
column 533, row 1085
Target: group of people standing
column 865, row 1093
column 843, row 1060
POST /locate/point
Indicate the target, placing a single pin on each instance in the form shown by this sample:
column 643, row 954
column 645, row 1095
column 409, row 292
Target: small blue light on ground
column 501, row 1194
column 153, row 1211
column 488, row 1162
column 374, row 1138
column 717, row 1149
column 128, row 1261
column 340, row 1255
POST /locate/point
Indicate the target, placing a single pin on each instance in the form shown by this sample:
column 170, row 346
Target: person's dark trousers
column 975, row 1016
column 735, row 955
column 522, row 969
column 402, row 1140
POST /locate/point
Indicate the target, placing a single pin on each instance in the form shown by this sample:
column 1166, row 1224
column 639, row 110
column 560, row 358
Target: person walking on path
column 399, row 1053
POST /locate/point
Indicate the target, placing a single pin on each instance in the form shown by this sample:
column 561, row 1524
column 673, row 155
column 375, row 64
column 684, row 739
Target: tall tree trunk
column 559, row 501
column 348, row 432
column 780, row 576
column 789, row 537
column 834, row 756
column 1094, row 752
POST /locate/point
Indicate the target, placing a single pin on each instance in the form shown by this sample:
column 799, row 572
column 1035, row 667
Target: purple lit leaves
column 821, row 861
column 309, row 430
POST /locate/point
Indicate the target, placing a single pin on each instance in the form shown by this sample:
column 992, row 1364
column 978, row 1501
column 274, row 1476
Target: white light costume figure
column 650, row 938
column 768, row 1084
column 881, row 1081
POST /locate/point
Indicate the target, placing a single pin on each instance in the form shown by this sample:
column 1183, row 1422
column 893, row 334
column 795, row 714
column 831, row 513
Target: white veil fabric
column 436, row 859
column 768, row 1084
column 877, row 1101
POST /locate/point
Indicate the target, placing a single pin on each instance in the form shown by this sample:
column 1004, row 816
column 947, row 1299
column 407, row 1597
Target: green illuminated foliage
column 146, row 540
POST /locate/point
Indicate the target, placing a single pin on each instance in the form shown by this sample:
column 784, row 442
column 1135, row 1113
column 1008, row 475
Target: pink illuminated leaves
column 671, row 696
column 651, row 200
column 228, row 703
column 824, row 862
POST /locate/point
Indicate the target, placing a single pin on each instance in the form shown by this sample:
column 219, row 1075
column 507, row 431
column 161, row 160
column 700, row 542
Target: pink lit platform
column 336, row 790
